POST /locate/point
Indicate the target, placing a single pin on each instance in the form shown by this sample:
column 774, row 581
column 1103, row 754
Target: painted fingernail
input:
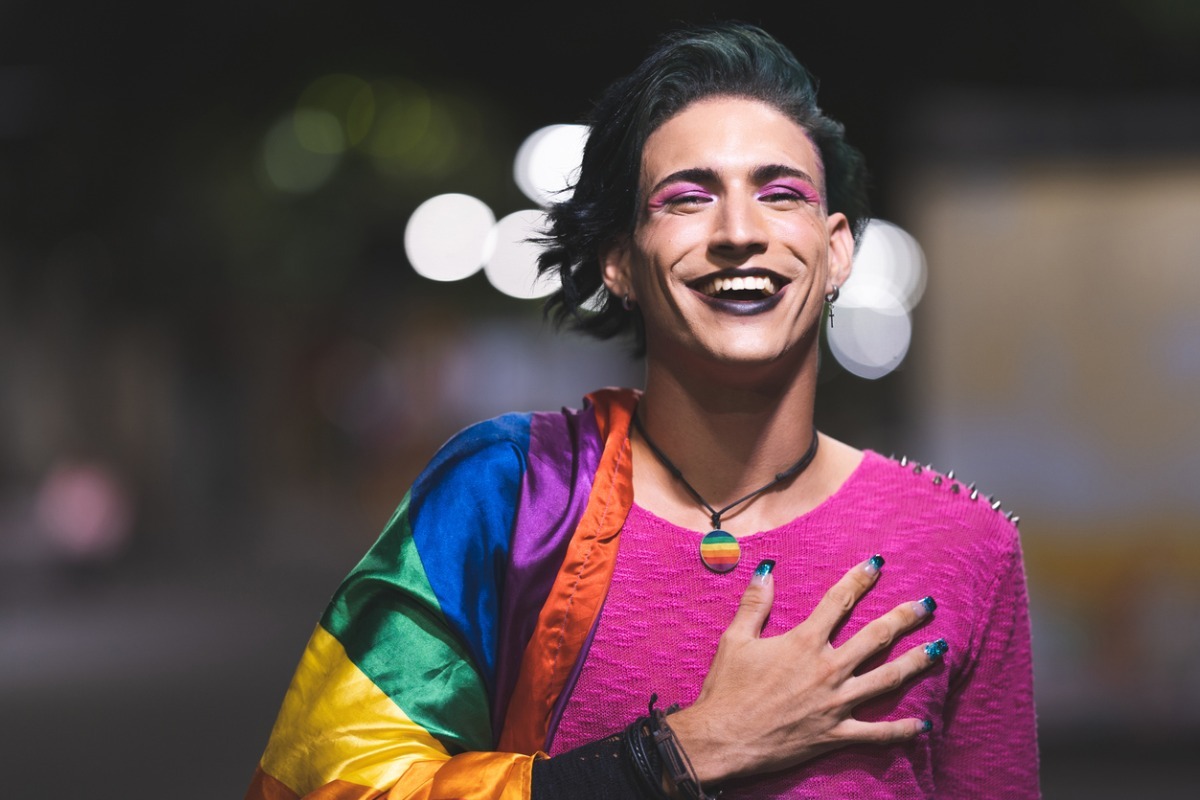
column 925, row 606
column 926, row 726
column 874, row 563
column 763, row 571
column 936, row 650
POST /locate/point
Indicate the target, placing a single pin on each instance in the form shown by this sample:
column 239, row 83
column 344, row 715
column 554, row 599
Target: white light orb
column 871, row 340
column 547, row 162
column 511, row 259
column 445, row 236
column 888, row 260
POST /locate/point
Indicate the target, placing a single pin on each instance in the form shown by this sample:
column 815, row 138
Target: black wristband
column 598, row 770
column 638, row 747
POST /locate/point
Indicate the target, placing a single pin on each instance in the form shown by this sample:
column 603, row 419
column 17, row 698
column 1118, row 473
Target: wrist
column 695, row 737
column 658, row 760
column 678, row 770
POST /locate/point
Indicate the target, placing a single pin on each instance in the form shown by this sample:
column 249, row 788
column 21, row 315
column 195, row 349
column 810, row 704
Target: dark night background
column 168, row 320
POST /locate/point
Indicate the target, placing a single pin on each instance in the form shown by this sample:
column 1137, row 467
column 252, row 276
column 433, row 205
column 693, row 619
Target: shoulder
column 494, row 456
column 942, row 505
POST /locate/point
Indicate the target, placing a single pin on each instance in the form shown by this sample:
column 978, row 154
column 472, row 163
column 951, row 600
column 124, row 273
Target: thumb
column 756, row 602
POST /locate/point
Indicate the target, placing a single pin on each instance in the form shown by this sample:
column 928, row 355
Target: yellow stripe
column 721, row 548
column 336, row 724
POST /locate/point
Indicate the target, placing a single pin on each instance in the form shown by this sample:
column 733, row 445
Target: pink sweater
column 664, row 612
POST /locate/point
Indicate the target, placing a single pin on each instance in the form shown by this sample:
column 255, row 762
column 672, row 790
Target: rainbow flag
column 438, row 668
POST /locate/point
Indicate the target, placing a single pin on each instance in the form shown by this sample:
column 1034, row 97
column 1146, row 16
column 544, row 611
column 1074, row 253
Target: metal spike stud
column 904, row 461
column 995, row 504
column 950, row 475
column 917, row 470
column 954, row 488
column 1016, row 521
column 937, row 480
column 974, row 494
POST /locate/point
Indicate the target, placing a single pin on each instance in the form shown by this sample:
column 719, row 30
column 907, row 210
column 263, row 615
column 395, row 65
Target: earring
column 626, row 303
column 830, row 299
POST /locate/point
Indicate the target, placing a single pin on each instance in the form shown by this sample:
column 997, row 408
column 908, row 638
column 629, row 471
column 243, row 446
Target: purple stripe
column 564, row 452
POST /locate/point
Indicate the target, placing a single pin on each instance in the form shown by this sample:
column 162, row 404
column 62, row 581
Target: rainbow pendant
column 719, row 551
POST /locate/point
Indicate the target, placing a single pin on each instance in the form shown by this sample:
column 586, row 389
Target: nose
column 740, row 228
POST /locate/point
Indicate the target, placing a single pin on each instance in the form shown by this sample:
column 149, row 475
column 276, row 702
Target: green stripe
column 386, row 616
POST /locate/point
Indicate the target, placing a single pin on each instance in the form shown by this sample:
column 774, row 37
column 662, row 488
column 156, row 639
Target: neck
column 728, row 438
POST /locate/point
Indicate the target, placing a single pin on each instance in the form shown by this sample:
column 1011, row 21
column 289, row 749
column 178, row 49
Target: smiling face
column 733, row 251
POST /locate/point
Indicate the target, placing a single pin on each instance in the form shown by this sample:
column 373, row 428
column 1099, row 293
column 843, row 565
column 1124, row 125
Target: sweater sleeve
column 393, row 694
column 989, row 742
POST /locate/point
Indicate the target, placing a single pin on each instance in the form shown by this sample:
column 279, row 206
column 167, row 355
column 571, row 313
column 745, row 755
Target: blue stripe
column 475, row 480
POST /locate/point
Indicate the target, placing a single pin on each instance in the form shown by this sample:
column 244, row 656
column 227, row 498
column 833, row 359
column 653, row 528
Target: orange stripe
column 265, row 786
column 582, row 583
column 468, row 776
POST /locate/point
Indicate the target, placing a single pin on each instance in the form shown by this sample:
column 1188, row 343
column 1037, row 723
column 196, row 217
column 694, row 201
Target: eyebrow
column 762, row 174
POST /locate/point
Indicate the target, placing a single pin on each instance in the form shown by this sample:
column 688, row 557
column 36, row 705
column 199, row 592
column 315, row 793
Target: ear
column 841, row 250
column 616, row 269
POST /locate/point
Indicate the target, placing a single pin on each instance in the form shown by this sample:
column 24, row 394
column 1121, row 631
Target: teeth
column 759, row 283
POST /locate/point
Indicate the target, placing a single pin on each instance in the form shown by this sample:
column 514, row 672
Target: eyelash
column 777, row 193
column 687, row 198
column 771, row 194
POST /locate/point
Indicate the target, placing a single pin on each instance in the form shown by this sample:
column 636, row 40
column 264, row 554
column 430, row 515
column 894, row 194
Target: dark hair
column 730, row 59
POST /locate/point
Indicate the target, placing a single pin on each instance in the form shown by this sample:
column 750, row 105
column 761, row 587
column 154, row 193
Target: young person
column 549, row 573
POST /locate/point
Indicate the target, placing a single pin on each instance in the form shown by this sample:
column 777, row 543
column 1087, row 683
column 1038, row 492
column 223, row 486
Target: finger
column 879, row 633
column 890, row 732
column 842, row 596
column 756, row 602
column 895, row 673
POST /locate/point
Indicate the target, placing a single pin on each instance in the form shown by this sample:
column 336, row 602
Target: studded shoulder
column 949, row 483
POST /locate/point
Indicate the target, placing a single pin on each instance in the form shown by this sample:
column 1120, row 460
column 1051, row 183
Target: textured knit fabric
column 664, row 612
column 446, row 658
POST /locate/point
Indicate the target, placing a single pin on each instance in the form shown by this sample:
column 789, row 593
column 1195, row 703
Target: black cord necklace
column 719, row 550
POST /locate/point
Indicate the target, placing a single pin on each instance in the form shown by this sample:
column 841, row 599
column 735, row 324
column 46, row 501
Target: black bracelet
column 645, row 760
column 678, row 766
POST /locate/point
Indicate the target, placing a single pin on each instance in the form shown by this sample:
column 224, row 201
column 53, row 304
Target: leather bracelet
column 675, row 761
column 645, row 760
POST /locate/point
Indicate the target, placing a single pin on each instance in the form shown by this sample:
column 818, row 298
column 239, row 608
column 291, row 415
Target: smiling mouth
column 745, row 287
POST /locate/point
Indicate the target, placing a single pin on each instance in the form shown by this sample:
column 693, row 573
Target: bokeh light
column 888, row 260
column 872, row 325
column 511, row 260
column 84, row 511
column 870, row 341
column 446, row 235
column 547, row 163
column 318, row 131
column 292, row 166
column 348, row 102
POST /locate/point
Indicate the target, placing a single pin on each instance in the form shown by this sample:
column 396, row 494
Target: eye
column 683, row 196
column 789, row 192
column 688, row 198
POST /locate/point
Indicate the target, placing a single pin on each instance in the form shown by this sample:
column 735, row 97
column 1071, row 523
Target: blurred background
column 219, row 370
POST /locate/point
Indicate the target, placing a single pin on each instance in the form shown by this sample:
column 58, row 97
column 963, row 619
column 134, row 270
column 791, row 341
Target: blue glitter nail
column 936, row 650
column 926, row 726
column 929, row 603
column 875, row 561
column 764, row 567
